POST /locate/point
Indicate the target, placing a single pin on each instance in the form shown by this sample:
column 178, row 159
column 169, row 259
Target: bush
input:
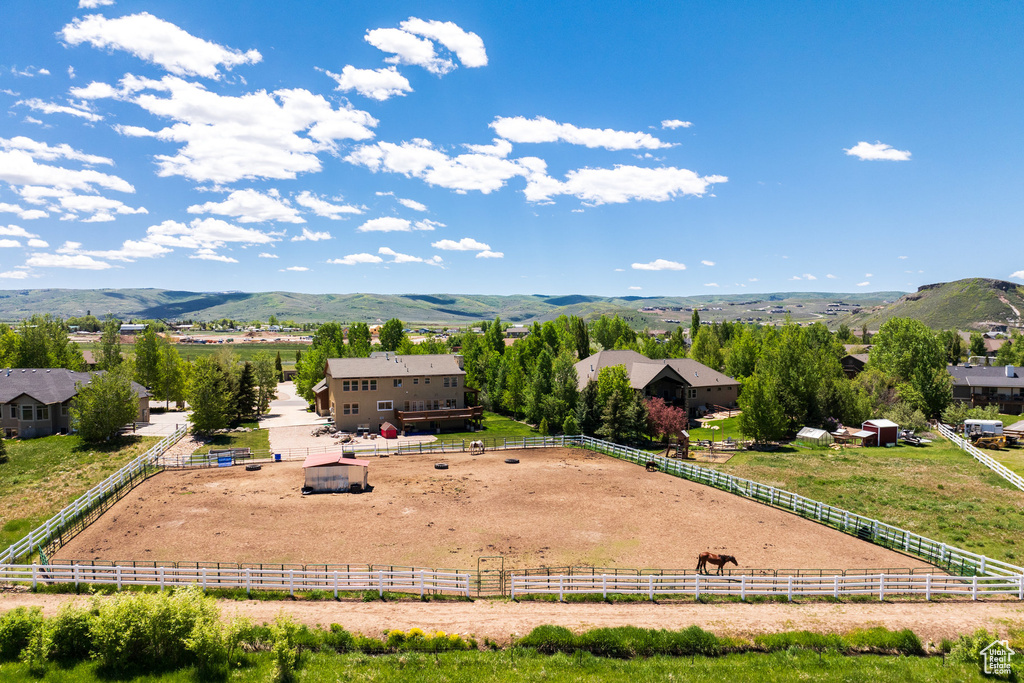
column 70, row 634
column 623, row 642
column 967, row 648
column 338, row 639
column 16, row 628
column 882, row 640
column 694, row 641
column 805, row 640
column 549, row 639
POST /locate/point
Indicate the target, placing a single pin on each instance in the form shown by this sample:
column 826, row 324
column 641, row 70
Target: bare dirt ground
column 500, row 619
column 556, row 507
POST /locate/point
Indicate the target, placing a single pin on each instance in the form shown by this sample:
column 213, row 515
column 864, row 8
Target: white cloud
column 659, row 264
column 204, row 234
column 385, row 224
column 264, row 254
column 23, row 214
column 796, row 277
column 419, row 159
column 295, row 269
column 498, row 148
column 412, row 204
column 868, row 275
column 130, row 251
column 38, row 243
column 675, row 123
column 408, row 49
column 406, row 258
column 808, row 276
column 636, row 289
column 540, row 129
column 101, row 208
column 830, row 276
column 467, row 46
column 323, row 208
column 491, row 254
column 863, row 284
column 9, row 244
column 708, row 263
column 311, row 236
column 159, row 42
column 51, row 108
column 211, row 255
column 753, row 279
column 15, row 231
column 377, row 84
column 17, row 167
column 41, row 150
column 256, row 135
column 902, row 258
column 1019, row 275
column 710, row 284
column 93, row 4
column 865, row 151
column 427, row 224
column 621, row 184
column 354, row 259
column 465, row 244
column 77, row 262
column 14, row 275
column 250, row 206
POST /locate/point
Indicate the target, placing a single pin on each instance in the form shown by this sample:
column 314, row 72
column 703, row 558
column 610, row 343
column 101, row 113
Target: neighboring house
column 415, row 393
column 853, row 363
column 680, row 381
column 983, row 385
column 132, row 328
column 90, row 359
column 34, row 401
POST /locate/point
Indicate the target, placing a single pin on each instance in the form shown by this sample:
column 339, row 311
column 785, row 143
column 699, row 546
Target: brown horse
column 718, row 560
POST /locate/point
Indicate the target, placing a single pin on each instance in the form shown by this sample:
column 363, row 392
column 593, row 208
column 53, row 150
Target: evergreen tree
column 569, row 427
column 694, row 324
column 615, row 420
column 279, row 368
column 580, row 336
column 588, row 410
column 209, row 397
column 246, row 397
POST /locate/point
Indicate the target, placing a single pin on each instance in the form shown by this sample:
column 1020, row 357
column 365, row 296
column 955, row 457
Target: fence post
column 118, row 577
column 204, row 578
column 1020, row 593
column 248, row 580
column 928, row 588
column 743, row 588
column 696, row 587
column 380, row 577
column 561, row 589
column 33, row 576
column 650, row 586
column 512, row 587
column 974, row 587
column 789, row 590
column 291, row 582
column 881, row 587
column 335, row 584
column 421, row 584
column 983, row 558
column 75, row 574
column 161, row 573
column 604, row 585
column 835, row 587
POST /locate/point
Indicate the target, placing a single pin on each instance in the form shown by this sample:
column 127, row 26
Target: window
column 346, row 385
column 373, row 385
column 709, row 390
column 450, row 403
column 42, row 412
column 455, row 381
column 64, row 409
column 385, row 405
column 426, row 380
column 691, row 393
column 437, row 404
column 26, row 413
column 398, row 383
column 14, row 411
column 447, row 382
column 407, row 405
column 415, row 380
column 366, row 385
column 349, row 408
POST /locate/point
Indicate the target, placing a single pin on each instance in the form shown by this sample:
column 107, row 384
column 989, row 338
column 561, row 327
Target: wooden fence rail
column 744, row 586
column 984, row 458
column 421, row 581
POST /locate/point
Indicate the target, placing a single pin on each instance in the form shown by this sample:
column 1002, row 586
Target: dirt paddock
column 556, row 507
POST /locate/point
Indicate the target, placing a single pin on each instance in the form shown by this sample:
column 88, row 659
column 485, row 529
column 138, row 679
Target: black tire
column 253, row 468
column 441, row 466
column 307, row 490
column 512, row 461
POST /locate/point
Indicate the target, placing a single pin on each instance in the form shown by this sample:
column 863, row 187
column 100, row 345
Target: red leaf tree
column 665, row 420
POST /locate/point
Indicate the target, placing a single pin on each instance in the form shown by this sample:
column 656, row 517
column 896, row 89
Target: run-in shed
column 334, row 473
column 809, row 436
column 887, row 431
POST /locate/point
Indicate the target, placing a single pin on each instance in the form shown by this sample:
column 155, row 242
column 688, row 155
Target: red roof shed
column 887, row 431
column 389, row 431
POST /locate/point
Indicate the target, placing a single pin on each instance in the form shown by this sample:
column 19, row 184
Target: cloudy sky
column 670, row 148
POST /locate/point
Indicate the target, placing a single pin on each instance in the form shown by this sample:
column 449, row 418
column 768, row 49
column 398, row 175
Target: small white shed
column 334, row 473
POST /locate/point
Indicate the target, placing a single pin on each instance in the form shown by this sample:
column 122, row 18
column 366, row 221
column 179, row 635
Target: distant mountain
column 974, row 303
column 431, row 309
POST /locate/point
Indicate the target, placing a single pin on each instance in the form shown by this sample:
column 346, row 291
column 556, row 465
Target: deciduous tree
column 391, row 334
column 103, row 405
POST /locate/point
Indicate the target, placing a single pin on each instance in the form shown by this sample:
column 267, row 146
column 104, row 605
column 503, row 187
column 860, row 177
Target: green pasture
column 494, row 426
column 256, row 440
column 42, row 476
column 935, row 490
column 245, row 351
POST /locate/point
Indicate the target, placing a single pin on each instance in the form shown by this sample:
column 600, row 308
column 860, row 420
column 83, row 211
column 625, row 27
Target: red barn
column 887, row 431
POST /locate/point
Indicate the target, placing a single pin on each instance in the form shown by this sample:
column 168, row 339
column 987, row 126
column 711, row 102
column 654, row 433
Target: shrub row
column 627, row 642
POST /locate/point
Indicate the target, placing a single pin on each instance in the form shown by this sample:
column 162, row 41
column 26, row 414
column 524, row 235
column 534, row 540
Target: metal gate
column 490, row 576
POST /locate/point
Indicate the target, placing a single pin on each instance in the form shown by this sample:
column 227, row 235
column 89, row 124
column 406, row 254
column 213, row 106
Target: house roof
column 860, row 357
column 393, row 365
column 48, row 385
column 388, row 427
column 643, row 370
column 986, row 376
column 881, row 422
column 320, row 386
column 328, row 459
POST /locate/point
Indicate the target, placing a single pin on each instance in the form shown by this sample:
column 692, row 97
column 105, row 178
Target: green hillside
column 963, row 304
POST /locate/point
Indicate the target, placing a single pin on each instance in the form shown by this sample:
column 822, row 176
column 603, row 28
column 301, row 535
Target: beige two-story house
column 415, row 393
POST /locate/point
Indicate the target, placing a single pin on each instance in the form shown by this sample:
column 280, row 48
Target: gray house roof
column 392, row 365
column 643, row 370
column 986, row 376
column 48, row 385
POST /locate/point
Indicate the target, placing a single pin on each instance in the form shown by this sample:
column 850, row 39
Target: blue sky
column 517, row 147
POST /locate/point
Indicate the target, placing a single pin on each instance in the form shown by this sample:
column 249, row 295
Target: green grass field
column 257, row 440
column 935, row 490
column 246, row 351
column 495, row 426
column 43, row 475
column 526, row 665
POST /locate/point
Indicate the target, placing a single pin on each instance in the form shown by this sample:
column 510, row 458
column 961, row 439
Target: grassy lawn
column 43, row 475
column 257, row 440
column 935, row 490
column 495, row 426
column 729, row 427
column 527, row 665
column 246, row 351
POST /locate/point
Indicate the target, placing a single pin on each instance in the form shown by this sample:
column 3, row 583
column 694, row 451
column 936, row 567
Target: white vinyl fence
column 419, row 581
column 984, row 458
column 876, row 585
column 81, row 512
column 950, row 558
